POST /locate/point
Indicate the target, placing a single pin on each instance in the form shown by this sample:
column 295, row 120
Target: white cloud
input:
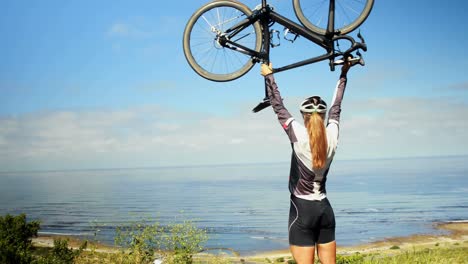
column 459, row 86
column 152, row 136
column 404, row 127
column 120, row 29
column 235, row 141
column 156, row 86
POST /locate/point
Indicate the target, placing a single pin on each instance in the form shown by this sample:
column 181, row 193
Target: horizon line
column 218, row 164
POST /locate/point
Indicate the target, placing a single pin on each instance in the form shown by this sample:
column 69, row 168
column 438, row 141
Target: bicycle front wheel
column 349, row 14
column 204, row 49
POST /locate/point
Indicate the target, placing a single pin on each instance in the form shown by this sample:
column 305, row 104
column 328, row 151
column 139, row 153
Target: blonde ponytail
column 317, row 139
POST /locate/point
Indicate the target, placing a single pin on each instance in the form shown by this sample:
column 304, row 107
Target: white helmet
column 313, row 104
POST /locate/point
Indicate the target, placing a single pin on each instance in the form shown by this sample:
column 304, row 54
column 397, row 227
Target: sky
column 104, row 84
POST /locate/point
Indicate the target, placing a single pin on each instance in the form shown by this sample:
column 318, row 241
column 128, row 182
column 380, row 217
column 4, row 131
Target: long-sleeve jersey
column 305, row 181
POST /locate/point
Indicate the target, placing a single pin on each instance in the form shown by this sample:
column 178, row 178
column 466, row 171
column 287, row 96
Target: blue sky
column 98, row 84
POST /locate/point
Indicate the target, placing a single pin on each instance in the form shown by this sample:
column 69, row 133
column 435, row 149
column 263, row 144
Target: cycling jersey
column 305, row 181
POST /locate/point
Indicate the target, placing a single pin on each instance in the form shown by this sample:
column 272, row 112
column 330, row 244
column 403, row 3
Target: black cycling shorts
column 310, row 222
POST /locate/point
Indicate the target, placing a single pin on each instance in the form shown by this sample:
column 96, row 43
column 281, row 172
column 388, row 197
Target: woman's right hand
column 266, row 69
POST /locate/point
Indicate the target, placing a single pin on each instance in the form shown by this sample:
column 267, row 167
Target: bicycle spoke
column 219, row 19
column 208, row 31
column 349, row 7
column 349, row 20
column 350, row 10
column 348, row 14
column 318, row 9
column 225, row 61
column 214, row 60
column 207, row 22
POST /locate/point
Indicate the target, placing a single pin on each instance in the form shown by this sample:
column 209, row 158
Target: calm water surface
column 244, row 207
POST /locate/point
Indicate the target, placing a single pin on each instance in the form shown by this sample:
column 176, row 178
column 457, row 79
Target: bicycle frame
column 266, row 15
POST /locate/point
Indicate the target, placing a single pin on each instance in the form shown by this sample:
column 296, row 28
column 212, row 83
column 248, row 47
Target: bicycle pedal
column 272, row 34
column 288, row 31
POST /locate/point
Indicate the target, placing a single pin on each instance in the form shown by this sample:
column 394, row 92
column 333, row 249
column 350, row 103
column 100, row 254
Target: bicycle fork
column 266, row 59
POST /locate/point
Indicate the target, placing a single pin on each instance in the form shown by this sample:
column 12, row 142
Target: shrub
column 182, row 241
column 395, row 247
column 140, row 242
column 62, row 254
column 279, row 260
column 15, row 239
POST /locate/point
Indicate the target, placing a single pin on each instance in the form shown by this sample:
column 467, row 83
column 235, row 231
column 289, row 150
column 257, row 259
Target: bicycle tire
column 345, row 26
column 240, row 63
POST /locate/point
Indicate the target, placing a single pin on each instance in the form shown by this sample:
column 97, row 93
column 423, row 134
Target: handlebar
column 355, row 46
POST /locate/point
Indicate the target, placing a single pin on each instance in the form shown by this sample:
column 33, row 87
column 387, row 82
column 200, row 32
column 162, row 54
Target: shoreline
column 74, row 241
column 457, row 234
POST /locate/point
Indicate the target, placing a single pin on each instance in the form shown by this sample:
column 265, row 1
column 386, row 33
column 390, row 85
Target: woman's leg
column 327, row 252
column 303, row 255
column 326, row 244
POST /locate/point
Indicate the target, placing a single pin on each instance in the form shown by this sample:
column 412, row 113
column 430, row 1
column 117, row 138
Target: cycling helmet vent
column 313, row 104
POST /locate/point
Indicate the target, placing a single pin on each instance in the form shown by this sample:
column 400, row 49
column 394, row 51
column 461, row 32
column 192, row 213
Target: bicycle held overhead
column 224, row 38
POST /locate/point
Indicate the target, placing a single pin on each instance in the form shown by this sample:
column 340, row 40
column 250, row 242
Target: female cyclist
column 311, row 217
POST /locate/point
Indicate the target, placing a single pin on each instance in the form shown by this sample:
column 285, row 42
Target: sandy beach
column 455, row 234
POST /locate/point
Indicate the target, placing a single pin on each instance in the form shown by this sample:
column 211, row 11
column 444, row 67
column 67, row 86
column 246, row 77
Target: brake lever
column 361, row 37
column 357, row 60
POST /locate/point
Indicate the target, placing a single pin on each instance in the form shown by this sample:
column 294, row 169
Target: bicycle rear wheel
column 202, row 47
column 349, row 14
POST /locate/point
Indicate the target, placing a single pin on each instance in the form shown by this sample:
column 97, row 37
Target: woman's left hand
column 347, row 64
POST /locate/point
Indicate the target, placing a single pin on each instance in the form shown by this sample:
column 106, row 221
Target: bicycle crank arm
column 262, row 105
column 266, row 100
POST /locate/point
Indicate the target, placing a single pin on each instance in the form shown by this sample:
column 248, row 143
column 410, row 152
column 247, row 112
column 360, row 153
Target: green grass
column 432, row 256
column 453, row 255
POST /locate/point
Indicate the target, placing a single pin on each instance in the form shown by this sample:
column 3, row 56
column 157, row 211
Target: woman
column 311, row 217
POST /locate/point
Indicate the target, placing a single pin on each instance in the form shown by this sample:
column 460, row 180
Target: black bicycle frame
column 266, row 16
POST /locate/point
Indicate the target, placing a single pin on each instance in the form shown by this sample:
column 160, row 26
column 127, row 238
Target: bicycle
column 243, row 36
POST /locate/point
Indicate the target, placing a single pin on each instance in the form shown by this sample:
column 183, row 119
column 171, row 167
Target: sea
column 242, row 207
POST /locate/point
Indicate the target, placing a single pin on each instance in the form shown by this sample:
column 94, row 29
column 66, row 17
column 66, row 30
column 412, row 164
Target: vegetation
column 177, row 243
column 61, row 253
column 15, row 239
column 137, row 243
column 452, row 255
column 433, row 256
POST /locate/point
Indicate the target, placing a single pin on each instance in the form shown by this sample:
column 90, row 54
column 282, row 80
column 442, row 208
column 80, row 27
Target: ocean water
column 243, row 207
